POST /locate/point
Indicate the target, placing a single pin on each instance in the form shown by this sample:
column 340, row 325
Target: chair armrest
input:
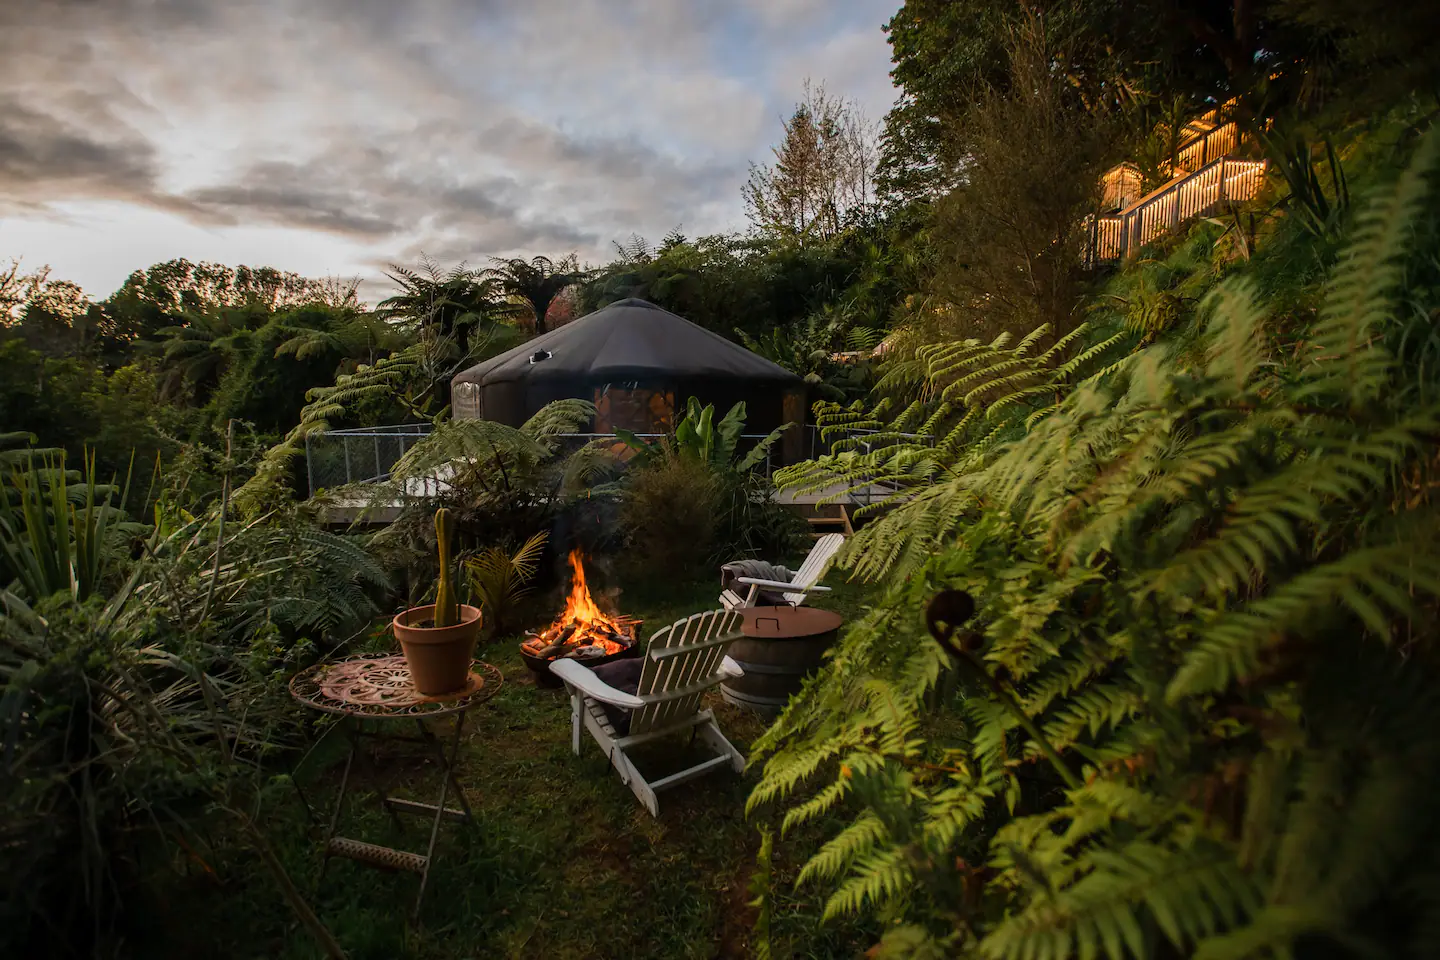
column 582, row 678
column 730, row 668
column 782, row 585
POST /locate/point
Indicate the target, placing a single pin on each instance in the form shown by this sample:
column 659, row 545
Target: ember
column 582, row 631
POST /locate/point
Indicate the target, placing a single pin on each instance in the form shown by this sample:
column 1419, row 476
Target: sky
column 332, row 137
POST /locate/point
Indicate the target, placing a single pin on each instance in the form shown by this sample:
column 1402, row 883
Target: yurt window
column 632, row 407
column 465, row 401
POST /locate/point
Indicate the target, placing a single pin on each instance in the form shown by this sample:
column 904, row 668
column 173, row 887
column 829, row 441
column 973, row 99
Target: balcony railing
column 1220, row 181
column 1209, row 147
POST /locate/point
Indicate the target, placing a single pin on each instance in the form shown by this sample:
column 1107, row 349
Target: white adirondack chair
column 797, row 591
column 682, row 661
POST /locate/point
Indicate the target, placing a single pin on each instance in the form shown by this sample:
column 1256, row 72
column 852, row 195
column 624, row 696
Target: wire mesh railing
column 368, row 454
column 361, row 455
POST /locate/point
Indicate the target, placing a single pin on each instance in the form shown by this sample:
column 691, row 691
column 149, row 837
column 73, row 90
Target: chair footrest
column 387, row 858
column 700, row 769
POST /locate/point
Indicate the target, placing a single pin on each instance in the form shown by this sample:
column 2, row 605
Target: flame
column 582, row 623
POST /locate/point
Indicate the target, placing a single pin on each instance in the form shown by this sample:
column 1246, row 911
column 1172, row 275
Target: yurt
column 638, row 364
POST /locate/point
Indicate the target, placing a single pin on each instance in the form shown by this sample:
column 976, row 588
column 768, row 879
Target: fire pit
column 582, row 632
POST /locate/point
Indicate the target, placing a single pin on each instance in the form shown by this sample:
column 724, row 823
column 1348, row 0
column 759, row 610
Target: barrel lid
column 788, row 623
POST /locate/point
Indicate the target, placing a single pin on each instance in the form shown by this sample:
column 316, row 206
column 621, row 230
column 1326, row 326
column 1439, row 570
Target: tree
column 54, row 316
column 823, row 173
column 152, row 299
column 1010, row 236
column 532, row 285
column 15, row 290
column 1276, row 56
column 722, row 283
column 350, row 336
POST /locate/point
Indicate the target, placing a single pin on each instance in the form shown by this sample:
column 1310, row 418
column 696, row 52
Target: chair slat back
column 814, row 566
column 694, row 648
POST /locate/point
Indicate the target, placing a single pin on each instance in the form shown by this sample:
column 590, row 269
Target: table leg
column 339, row 801
column 447, row 768
column 448, row 764
column 380, row 782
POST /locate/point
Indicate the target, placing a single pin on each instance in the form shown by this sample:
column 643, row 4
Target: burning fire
column 582, row 630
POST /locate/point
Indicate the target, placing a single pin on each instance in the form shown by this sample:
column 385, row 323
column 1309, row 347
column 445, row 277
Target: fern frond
column 1359, row 297
column 1374, row 584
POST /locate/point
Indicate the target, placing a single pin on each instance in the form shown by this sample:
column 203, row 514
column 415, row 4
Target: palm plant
column 134, row 698
column 1321, row 213
column 56, row 535
column 502, row 483
column 810, row 349
column 500, row 579
column 352, row 336
column 532, row 285
column 414, row 378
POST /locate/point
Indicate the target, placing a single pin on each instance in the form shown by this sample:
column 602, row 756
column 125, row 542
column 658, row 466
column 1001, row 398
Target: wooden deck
column 1207, row 175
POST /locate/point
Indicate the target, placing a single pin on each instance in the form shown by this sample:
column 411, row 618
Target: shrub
column 672, row 514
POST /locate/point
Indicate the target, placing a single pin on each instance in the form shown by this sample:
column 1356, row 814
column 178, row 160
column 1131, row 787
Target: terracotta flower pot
column 438, row 657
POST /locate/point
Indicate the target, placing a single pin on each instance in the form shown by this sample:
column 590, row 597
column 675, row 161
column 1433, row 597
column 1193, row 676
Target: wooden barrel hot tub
column 779, row 648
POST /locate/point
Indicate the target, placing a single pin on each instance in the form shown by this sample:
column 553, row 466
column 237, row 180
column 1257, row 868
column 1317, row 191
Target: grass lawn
column 564, row 862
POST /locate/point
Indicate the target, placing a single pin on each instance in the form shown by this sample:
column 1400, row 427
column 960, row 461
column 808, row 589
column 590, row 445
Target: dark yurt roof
column 630, row 340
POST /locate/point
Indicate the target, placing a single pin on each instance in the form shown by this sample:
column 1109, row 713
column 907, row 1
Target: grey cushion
column 623, row 675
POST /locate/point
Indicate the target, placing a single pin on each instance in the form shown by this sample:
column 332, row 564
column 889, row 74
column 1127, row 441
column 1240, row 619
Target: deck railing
column 1221, row 181
column 359, row 455
column 1210, row 146
column 367, row 454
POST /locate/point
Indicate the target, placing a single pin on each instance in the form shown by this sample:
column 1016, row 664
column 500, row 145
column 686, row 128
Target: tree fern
column 1193, row 711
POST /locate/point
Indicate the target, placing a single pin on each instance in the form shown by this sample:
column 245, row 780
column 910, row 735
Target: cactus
column 447, row 613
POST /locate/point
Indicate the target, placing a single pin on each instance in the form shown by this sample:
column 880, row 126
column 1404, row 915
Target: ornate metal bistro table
column 366, row 690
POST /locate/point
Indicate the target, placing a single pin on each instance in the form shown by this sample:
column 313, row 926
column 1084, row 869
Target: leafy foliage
column 531, row 286
column 1175, row 695
column 56, row 537
column 499, row 579
column 139, row 691
column 829, row 349
column 970, row 398
column 502, row 484
column 698, row 437
column 449, row 305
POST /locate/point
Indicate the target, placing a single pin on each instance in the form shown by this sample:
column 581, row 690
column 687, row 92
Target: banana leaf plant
column 698, row 437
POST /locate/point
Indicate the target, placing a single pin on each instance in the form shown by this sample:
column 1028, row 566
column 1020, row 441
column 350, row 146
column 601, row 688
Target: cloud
column 474, row 127
column 42, row 155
